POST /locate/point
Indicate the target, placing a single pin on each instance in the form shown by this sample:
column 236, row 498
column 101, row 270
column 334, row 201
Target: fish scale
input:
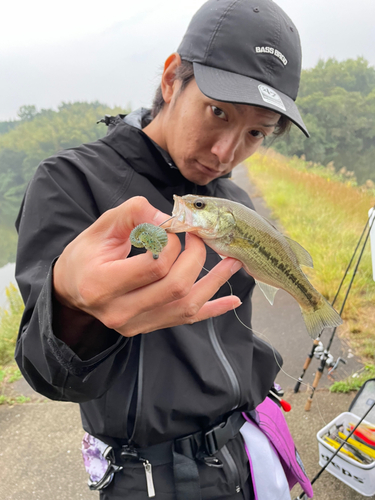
column 273, row 259
column 267, row 266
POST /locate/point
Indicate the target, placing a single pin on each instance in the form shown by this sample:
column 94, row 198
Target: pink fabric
column 269, row 418
column 252, row 472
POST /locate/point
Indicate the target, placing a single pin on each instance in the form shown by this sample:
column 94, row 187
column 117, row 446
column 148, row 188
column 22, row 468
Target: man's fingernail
column 236, row 267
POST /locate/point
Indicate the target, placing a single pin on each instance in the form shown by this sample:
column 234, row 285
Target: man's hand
column 137, row 294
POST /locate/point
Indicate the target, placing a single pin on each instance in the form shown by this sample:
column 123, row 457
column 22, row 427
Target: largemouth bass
column 272, row 259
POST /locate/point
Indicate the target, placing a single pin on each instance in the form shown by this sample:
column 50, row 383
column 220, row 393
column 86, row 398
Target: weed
column 355, row 381
column 15, row 375
column 22, row 399
column 11, row 401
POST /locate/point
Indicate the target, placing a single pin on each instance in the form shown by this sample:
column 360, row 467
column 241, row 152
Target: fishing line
column 261, row 334
column 350, row 263
column 170, row 218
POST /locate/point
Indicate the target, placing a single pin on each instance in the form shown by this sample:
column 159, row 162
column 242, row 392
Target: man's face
column 207, row 138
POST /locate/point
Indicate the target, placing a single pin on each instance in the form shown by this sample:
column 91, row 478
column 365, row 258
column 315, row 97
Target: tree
column 27, row 113
column 337, row 102
column 36, row 136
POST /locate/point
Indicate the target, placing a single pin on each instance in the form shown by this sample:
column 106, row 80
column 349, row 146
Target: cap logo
column 273, row 51
column 270, row 96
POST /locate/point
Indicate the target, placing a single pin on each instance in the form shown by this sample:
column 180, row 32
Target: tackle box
column 360, row 477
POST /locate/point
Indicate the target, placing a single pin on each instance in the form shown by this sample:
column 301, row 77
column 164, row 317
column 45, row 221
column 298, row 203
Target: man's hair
column 185, row 73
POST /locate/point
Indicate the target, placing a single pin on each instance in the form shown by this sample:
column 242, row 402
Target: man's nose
column 225, row 148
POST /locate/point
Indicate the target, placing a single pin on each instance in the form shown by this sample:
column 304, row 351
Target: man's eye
column 257, row 134
column 218, row 112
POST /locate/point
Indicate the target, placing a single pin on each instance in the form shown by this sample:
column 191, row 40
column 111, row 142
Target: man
column 161, row 372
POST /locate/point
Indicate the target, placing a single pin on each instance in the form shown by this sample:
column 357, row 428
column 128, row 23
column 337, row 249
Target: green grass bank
column 326, row 213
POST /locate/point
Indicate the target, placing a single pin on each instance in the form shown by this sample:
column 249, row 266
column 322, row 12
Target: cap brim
column 225, row 86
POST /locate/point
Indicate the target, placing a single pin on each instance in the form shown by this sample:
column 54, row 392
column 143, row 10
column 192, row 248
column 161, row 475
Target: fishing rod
column 317, row 343
column 324, row 357
column 303, row 494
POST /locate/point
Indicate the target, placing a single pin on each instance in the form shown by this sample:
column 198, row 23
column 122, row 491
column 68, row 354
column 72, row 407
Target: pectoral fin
column 303, row 256
column 268, row 290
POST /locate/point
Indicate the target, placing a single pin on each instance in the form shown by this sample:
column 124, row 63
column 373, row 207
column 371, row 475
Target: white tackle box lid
column 363, row 400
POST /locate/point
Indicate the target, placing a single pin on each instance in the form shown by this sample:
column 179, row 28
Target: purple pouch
column 270, row 420
column 98, row 460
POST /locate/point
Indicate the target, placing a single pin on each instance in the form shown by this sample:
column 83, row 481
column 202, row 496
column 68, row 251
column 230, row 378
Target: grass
column 326, row 213
column 10, row 318
column 10, row 373
column 355, row 381
column 11, row 401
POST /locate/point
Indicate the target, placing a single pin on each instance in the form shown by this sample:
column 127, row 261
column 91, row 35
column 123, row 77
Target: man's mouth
column 208, row 170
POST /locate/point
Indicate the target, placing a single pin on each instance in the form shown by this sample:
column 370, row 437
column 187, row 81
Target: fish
column 271, row 258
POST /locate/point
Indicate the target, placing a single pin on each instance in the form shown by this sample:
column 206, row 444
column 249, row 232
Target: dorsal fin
column 303, row 256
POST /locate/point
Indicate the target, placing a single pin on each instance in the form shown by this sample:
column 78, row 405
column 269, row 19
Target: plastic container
column 360, row 477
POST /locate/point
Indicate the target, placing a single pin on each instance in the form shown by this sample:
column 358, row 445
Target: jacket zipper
column 146, row 464
column 224, row 361
column 139, row 389
column 232, row 467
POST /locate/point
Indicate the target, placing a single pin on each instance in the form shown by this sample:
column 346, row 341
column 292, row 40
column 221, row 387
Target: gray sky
column 114, row 51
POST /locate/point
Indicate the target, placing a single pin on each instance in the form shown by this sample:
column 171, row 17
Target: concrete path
column 40, row 441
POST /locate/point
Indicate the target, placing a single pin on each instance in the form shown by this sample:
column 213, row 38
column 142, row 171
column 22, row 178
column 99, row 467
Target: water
column 6, row 277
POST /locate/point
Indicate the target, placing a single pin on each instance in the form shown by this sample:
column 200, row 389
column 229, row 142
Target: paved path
column 40, row 441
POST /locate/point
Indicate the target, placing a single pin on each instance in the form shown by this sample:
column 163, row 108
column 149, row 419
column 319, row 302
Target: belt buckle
column 210, row 440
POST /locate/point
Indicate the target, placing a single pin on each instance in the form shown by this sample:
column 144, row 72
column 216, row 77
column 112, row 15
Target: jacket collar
column 146, row 157
column 139, row 119
column 140, row 152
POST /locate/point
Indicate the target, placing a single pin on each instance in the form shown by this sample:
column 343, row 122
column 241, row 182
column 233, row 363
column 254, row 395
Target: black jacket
column 152, row 387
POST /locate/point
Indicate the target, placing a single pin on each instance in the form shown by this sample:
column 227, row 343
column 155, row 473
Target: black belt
column 184, row 453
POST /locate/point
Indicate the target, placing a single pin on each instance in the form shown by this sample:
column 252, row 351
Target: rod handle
column 308, row 404
column 318, row 376
column 307, row 363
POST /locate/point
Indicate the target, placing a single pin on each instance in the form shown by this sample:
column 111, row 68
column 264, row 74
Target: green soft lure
column 150, row 237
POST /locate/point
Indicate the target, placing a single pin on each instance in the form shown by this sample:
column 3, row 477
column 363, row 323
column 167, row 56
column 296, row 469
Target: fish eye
column 199, row 204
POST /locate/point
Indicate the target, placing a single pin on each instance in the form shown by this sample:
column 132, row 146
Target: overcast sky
column 113, row 51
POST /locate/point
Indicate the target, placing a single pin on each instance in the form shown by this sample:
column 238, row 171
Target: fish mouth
column 185, row 220
column 182, row 220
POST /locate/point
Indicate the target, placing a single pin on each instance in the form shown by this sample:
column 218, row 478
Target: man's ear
column 168, row 82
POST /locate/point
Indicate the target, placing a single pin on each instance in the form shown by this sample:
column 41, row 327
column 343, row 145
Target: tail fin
column 323, row 317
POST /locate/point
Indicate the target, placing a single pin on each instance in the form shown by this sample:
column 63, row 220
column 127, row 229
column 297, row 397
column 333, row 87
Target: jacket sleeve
column 58, row 205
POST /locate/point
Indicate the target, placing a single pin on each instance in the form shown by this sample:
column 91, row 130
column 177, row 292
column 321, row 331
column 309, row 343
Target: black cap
column 246, row 52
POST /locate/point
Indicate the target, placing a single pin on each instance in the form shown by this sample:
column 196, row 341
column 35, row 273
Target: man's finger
column 120, row 221
column 172, row 286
